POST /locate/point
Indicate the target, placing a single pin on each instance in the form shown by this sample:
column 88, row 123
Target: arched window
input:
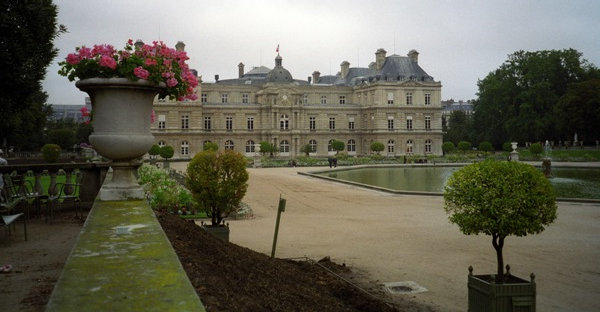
column 313, row 145
column 284, row 146
column 185, row 148
column 284, row 122
column 390, row 146
column 228, row 145
column 351, row 145
column 330, row 146
column 427, row 146
column 249, row 146
column 161, row 143
column 409, row 147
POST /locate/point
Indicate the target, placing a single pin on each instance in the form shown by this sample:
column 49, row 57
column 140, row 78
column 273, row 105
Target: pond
column 568, row 182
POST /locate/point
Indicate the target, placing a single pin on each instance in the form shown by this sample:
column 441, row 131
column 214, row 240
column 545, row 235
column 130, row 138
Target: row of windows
column 341, row 99
column 284, row 123
column 284, row 146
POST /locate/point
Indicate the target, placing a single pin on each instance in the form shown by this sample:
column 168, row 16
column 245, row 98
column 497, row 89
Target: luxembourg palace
column 393, row 101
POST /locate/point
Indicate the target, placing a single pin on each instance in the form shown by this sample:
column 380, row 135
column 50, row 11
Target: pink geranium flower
column 141, row 73
column 108, row 61
column 171, row 82
column 73, row 59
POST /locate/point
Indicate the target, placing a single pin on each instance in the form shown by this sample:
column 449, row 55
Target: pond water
column 568, row 182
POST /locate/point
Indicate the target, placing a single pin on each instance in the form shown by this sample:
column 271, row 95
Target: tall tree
column 27, row 32
column 516, row 101
column 459, row 127
column 578, row 111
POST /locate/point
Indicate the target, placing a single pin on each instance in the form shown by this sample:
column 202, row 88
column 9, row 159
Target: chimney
column 379, row 58
column 241, row 70
column 216, row 78
column 345, row 69
column 309, row 79
column 316, row 75
column 180, row 46
column 413, row 55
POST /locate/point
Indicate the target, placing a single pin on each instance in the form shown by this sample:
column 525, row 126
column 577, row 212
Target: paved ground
column 408, row 238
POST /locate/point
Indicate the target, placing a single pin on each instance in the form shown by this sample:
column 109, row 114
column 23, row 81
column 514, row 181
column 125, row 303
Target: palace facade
column 393, row 101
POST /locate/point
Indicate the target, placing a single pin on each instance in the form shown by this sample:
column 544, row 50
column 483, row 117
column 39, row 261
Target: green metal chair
column 65, row 192
column 9, row 213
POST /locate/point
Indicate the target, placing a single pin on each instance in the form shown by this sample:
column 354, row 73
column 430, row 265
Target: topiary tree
column 218, row 182
column 266, row 147
column 485, row 146
column 377, row 147
column 448, row 147
column 464, row 146
column 154, row 150
column 166, row 152
column 536, row 149
column 307, row 149
column 211, row 146
column 337, row 146
column 500, row 198
column 507, row 147
column 51, row 152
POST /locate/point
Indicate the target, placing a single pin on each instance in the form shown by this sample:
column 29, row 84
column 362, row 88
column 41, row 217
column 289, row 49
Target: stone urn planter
column 514, row 295
column 121, row 110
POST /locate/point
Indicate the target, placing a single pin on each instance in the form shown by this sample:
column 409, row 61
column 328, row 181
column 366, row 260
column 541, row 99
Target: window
column 351, row 123
column 409, row 122
column 313, row 145
column 245, row 98
column 312, row 123
column 342, row 99
column 427, row 122
column 323, row 99
column 427, row 98
column 305, row 99
column 331, row 123
column 250, row 146
column 162, row 123
column 185, row 148
column 409, row 147
column 224, row 98
column 284, row 146
column 284, row 122
column 229, row 145
column 229, row 123
column 203, row 98
column 390, row 122
column 162, row 143
column 427, row 146
column 390, row 97
column 408, row 98
column 185, row 121
column 207, row 125
column 351, row 145
column 390, row 146
column 250, row 122
column 330, row 146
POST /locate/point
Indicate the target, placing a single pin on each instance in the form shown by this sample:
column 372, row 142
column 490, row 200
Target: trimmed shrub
column 51, row 152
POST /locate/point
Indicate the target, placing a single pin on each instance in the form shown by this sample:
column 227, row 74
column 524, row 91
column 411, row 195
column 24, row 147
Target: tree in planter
column 500, row 198
column 337, row 146
column 307, row 149
column 166, row 152
column 218, row 182
column 154, row 151
column 485, row 146
column 266, row 147
column 377, row 147
column 536, row 149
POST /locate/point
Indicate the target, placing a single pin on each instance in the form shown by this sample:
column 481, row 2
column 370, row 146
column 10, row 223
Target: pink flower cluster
column 85, row 113
column 156, row 62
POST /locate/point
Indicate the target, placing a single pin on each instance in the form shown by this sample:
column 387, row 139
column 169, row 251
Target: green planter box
column 220, row 232
column 516, row 295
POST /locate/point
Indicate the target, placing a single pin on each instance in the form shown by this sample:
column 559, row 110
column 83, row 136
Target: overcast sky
column 459, row 41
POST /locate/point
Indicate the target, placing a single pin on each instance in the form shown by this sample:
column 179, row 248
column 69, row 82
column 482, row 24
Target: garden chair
column 9, row 213
column 65, row 192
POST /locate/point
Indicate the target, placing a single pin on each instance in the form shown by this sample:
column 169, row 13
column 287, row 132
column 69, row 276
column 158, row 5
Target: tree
column 212, row 146
column 266, row 147
column 536, row 149
column 448, row 147
column 307, row 149
column 517, row 101
column 507, row 147
column 218, row 182
column 166, row 152
column 377, row 147
column 485, row 146
column 578, row 110
column 464, row 146
column 154, row 151
column 500, row 198
column 64, row 137
column 459, row 127
column 27, row 32
column 337, row 145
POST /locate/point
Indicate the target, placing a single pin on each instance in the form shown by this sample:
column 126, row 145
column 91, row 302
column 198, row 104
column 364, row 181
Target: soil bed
column 228, row 277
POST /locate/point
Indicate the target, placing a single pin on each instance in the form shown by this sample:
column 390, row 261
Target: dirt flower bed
column 228, row 277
